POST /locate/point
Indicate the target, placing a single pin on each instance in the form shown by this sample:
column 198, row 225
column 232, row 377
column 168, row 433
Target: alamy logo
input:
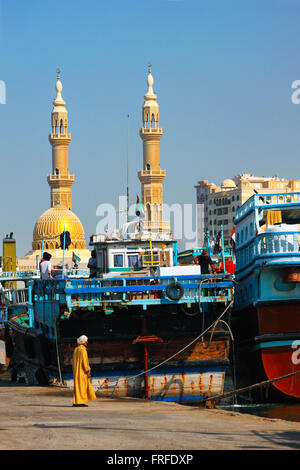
column 2, row 92
column 296, row 354
column 296, row 95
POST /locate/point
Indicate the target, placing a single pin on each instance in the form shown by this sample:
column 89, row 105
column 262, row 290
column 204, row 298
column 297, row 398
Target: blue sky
column 222, row 72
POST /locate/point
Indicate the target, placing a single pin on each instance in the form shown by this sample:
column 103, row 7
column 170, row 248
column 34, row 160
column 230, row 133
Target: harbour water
column 285, row 411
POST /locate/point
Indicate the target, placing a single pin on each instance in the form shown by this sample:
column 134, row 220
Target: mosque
column 52, row 223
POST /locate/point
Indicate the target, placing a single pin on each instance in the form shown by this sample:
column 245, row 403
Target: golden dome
column 228, row 184
column 51, row 223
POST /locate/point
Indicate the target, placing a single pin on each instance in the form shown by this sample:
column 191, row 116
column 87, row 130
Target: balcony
column 152, row 172
column 275, row 245
column 151, row 130
column 60, row 177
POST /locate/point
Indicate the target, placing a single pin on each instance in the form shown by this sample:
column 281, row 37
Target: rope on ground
column 181, row 350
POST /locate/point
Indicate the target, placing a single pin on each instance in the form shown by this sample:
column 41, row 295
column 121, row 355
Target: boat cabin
column 131, row 255
column 267, row 225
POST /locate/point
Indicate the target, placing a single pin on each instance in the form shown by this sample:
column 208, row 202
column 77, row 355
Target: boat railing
column 146, row 291
column 35, row 274
column 11, row 297
column 270, row 199
column 19, row 275
column 272, row 244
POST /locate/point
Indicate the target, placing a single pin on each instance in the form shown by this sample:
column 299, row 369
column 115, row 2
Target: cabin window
column 118, row 261
column 133, row 261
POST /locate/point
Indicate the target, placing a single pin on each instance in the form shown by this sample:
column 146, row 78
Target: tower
column 53, row 221
column 60, row 181
column 59, row 217
column 152, row 176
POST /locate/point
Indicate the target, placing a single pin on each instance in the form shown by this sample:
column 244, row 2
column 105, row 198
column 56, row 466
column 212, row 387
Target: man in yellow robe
column 83, row 390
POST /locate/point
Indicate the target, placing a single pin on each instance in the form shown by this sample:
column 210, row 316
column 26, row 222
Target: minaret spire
column 152, row 176
column 59, row 102
column 60, row 181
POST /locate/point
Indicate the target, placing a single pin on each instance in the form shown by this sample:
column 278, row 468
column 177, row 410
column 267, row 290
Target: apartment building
column 217, row 205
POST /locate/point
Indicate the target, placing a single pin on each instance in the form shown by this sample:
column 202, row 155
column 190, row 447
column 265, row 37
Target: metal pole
column 146, row 378
column 151, row 251
column 127, row 168
column 223, row 256
column 64, row 246
column 43, row 241
column 146, row 371
column 207, row 241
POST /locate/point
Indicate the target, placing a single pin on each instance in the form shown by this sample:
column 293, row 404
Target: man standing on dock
column 83, row 390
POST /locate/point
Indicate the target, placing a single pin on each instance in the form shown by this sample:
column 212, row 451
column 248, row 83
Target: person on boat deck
column 204, row 260
column 45, row 266
column 92, row 265
column 83, row 390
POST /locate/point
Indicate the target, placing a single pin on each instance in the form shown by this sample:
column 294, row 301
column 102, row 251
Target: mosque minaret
column 152, row 176
column 59, row 217
column 60, row 181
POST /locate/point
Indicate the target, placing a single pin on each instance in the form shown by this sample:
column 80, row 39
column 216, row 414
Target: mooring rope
column 181, row 350
column 249, row 387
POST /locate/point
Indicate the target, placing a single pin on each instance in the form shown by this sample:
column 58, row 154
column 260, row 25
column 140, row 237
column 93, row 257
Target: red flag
column 233, row 234
column 139, row 208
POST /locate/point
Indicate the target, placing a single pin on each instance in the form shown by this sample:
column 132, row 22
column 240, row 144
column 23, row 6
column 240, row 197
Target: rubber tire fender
column 170, row 288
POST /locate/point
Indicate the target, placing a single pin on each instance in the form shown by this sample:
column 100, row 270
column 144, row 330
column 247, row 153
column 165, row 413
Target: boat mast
column 127, row 169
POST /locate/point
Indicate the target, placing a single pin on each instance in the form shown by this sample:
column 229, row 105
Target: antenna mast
column 127, row 170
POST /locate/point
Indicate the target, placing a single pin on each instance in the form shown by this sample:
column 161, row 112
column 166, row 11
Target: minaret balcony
column 59, row 137
column 151, row 133
column 151, row 176
column 59, row 180
column 155, row 130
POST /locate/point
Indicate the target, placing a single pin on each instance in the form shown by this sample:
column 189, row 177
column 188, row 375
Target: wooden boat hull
column 117, row 366
column 270, row 349
column 144, row 338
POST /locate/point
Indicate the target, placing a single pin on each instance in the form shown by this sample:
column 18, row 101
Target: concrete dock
column 42, row 418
